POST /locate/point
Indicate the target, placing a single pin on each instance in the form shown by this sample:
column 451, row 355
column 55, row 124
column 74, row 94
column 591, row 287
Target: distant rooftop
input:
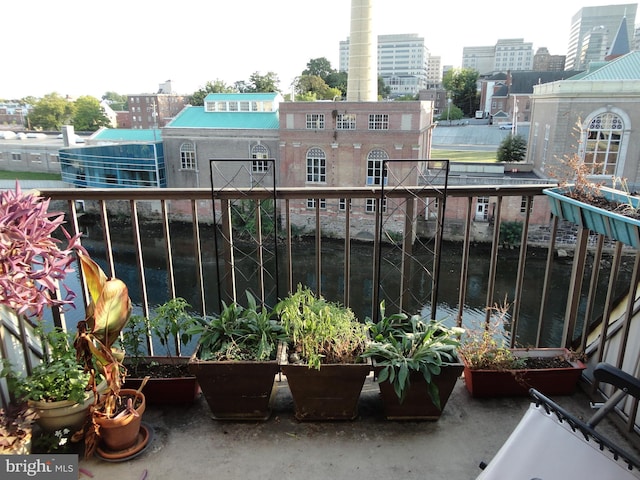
column 127, row 135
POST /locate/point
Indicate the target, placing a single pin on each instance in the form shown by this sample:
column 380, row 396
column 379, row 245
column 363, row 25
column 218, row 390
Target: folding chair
column 551, row 444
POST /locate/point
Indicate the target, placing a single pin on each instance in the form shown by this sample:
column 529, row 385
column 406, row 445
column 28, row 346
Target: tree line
column 318, row 81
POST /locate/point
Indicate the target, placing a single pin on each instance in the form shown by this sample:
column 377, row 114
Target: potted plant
column 16, row 423
column 115, row 430
column 608, row 211
column 170, row 381
column 323, row 361
column 493, row 369
column 236, row 360
column 57, row 388
column 416, row 364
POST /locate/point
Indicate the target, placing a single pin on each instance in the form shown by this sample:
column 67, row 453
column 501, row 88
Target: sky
column 79, row 47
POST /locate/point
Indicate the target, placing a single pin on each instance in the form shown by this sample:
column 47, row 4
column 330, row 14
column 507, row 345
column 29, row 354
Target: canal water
column 362, row 275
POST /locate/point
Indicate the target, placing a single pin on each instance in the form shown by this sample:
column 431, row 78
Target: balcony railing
column 136, row 223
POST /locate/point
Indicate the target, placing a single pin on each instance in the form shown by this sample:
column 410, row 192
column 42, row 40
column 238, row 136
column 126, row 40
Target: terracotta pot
column 517, row 382
column 119, row 434
column 167, row 391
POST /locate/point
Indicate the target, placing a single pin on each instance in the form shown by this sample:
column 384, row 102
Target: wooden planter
column 167, row 391
column 417, row 404
column 599, row 220
column 331, row 393
column 236, row 390
column 504, row 383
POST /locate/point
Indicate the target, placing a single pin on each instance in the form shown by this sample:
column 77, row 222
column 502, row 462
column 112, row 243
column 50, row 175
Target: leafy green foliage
column 511, row 233
column 320, row 331
column 89, row 115
column 51, row 112
column 239, row 333
column 134, row 338
column 462, row 84
column 171, row 324
column 451, row 112
column 403, row 344
column 513, row 148
column 217, row 86
column 244, row 217
column 58, row 377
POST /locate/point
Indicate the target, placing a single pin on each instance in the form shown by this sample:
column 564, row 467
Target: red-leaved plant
column 32, row 261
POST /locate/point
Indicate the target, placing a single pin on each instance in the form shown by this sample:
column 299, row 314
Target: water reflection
column 333, row 281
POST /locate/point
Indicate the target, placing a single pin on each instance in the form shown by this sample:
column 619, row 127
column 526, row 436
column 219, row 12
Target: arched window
column 187, row 156
column 259, row 152
column 374, row 166
column 316, row 166
column 602, row 145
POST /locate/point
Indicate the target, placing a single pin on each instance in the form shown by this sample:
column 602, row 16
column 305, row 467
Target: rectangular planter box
column 417, row 403
column 236, row 390
column 167, row 391
column 614, row 225
column 331, row 393
column 504, row 383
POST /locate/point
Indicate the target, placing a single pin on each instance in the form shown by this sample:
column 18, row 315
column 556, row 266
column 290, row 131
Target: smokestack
column 362, row 85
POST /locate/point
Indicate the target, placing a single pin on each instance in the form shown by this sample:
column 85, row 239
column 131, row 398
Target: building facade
column 403, row 61
column 506, row 54
column 154, row 110
column 593, row 30
column 543, row 61
column 592, row 115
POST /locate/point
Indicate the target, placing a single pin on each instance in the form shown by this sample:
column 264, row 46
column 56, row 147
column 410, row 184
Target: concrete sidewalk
column 188, row 444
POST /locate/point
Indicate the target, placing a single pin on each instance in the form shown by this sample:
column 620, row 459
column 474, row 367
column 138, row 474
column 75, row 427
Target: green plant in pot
column 416, row 364
column 57, row 388
column 237, row 359
column 170, row 381
column 324, row 364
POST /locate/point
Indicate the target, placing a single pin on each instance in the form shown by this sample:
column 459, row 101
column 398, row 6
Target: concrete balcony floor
column 189, row 444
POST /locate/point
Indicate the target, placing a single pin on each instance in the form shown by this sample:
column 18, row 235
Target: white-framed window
column 259, row 153
column 602, row 145
column 16, row 157
column 315, row 121
column 374, row 166
column 378, row 121
column 316, row 166
column 343, row 203
column 346, row 121
column 54, row 158
column 187, row 156
column 311, row 203
column 370, row 205
column 523, row 205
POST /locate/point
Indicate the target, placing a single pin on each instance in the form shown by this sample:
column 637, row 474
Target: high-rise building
column 404, row 63
column 593, row 29
column 506, row 54
column 543, row 61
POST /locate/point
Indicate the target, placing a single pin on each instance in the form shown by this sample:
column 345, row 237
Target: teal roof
column 196, row 117
column 128, row 135
column 626, row 67
column 225, row 97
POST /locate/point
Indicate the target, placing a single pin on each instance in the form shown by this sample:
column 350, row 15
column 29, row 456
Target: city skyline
column 88, row 48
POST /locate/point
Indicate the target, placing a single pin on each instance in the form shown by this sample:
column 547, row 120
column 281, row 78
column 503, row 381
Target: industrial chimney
column 362, row 85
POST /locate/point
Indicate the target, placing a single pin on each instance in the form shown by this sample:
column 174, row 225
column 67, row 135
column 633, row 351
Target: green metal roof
column 626, row 67
column 196, row 117
column 128, row 135
column 254, row 97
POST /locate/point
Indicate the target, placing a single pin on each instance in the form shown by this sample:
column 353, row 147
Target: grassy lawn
column 7, row 175
column 464, row 155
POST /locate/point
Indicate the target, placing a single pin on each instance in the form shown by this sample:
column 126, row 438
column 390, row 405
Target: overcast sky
column 80, row 47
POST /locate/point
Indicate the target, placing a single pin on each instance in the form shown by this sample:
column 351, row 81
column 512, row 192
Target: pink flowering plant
column 32, row 260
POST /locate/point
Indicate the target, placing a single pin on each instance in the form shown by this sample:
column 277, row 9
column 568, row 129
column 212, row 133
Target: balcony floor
column 189, row 444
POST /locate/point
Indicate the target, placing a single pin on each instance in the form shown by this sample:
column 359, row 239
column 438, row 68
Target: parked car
column 506, row 126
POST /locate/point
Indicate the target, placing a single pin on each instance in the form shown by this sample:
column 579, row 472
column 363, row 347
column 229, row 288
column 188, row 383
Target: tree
column 312, row 86
column 89, row 115
column 51, row 112
column 450, row 113
column 462, row 85
column 116, row 101
column 263, row 83
column 320, row 67
column 217, row 86
column 383, row 89
column 512, row 149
